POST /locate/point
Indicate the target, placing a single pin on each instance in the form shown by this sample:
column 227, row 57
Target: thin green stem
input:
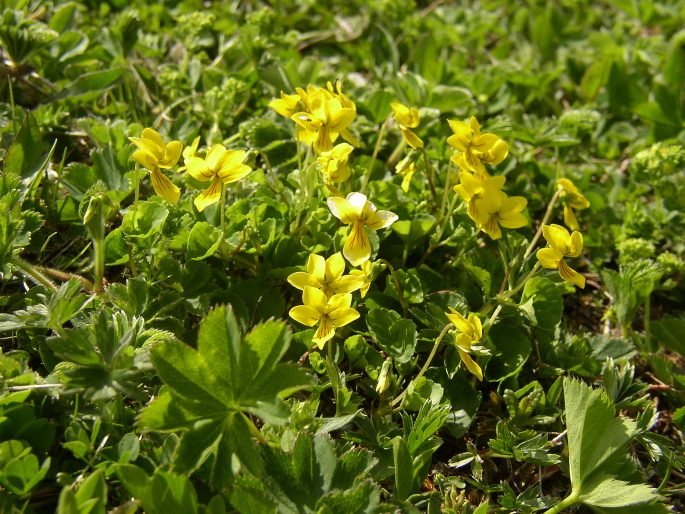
column 374, row 155
column 136, row 195
column 545, row 219
column 430, row 174
column 31, row 272
column 567, row 502
column 400, row 292
column 426, row 365
column 99, row 265
column 222, row 207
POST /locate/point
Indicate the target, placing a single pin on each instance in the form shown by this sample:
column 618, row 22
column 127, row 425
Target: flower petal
column 172, row 153
column 549, row 257
column 341, row 209
column 411, row 139
column 314, row 298
column 576, row 244
column 458, row 320
column 146, row 159
column 357, row 248
column 344, row 316
column 570, row 219
column 471, row 365
column 305, row 315
column 324, row 333
column 557, row 237
column 359, row 202
column 153, row 136
column 198, row 169
column 334, row 267
column 381, row 219
column 214, row 156
column 209, row 196
column 299, row 279
column 164, row 187
column 339, row 301
column 348, row 283
column 571, row 275
column 316, row 267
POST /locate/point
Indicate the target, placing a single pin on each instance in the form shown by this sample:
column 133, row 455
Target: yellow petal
column 234, row 173
column 324, row 333
column 164, row 187
column 305, row 315
column 316, row 267
column 198, row 169
column 339, row 301
column 314, row 298
column 571, row 275
column 458, row 320
column 209, row 196
column 381, row 219
column 348, row 283
column 148, row 145
column 411, row 139
column 549, row 257
column 341, row 209
column 557, row 237
column 172, row 153
column 153, row 136
column 357, row 248
column 343, row 316
column 471, row 365
column 214, row 157
column 299, row 279
column 334, row 267
column 146, row 159
column 576, row 244
column 497, row 153
column 570, row 219
column 461, row 139
column 477, row 327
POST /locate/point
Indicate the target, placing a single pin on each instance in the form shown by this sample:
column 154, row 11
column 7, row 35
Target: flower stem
column 222, row 209
column 572, row 499
column 34, row 274
column 544, row 221
column 376, row 149
column 400, row 292
column 423, row 370
column 430, row 174
column 99, row 265
column 136, row 195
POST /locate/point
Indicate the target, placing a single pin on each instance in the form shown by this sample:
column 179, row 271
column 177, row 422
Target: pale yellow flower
column 221, row 166
column 153, row 154
column 328, row 313
column 326, row 275
column 572, row 199
column 407, row 118
column 357, row 211
column 334, row 164
column 561, row 244
column 474, row 149
column 470, row 333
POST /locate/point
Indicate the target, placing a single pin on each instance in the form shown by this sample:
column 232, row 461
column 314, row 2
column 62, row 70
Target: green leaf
column 203, row 240
column 394, row 335
column 542, row 303
column 25, row 156
column 91, row 85
column 145, row 221
column 668, row 332
column 608, row 492
column 404, row 468
column 596, row 438
column 512, row 350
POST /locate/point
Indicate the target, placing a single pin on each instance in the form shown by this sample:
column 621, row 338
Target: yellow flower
column 495, row 208
column 367, row 273
column 334, row 163
column 221, row 166
column 474, row 148
column 572, row 199
column 191, row 151
column 561, row 244
column 326, row 275
column 329, row 313
column 326, row 120
column 470, row 333
column 287, row 105
column 407, row 167
column 472, row 187
column 357, row 211
column 407, row 118
column 153, row 154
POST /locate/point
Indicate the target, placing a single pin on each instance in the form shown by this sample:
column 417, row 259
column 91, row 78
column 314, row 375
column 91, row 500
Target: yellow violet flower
column 471, row 188
column 473, row 148
column 326, row 275
column 153, row 154
column 334, row 163
column 327, row 120
column 572, row 199
column 495, row 208
column 470, row 333
column 357, row 211
column 329, row 313
column 407, row 118
column 367, row 273
column 287, row 105
column 407, row 167
column 221, row 166
column 561, row 244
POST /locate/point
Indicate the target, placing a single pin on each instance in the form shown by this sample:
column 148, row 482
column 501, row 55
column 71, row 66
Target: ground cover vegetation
column 342, row 257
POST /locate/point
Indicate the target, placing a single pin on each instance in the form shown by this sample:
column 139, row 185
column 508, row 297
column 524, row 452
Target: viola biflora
column 561, row 245
column 360, row 214
column 154, row 155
